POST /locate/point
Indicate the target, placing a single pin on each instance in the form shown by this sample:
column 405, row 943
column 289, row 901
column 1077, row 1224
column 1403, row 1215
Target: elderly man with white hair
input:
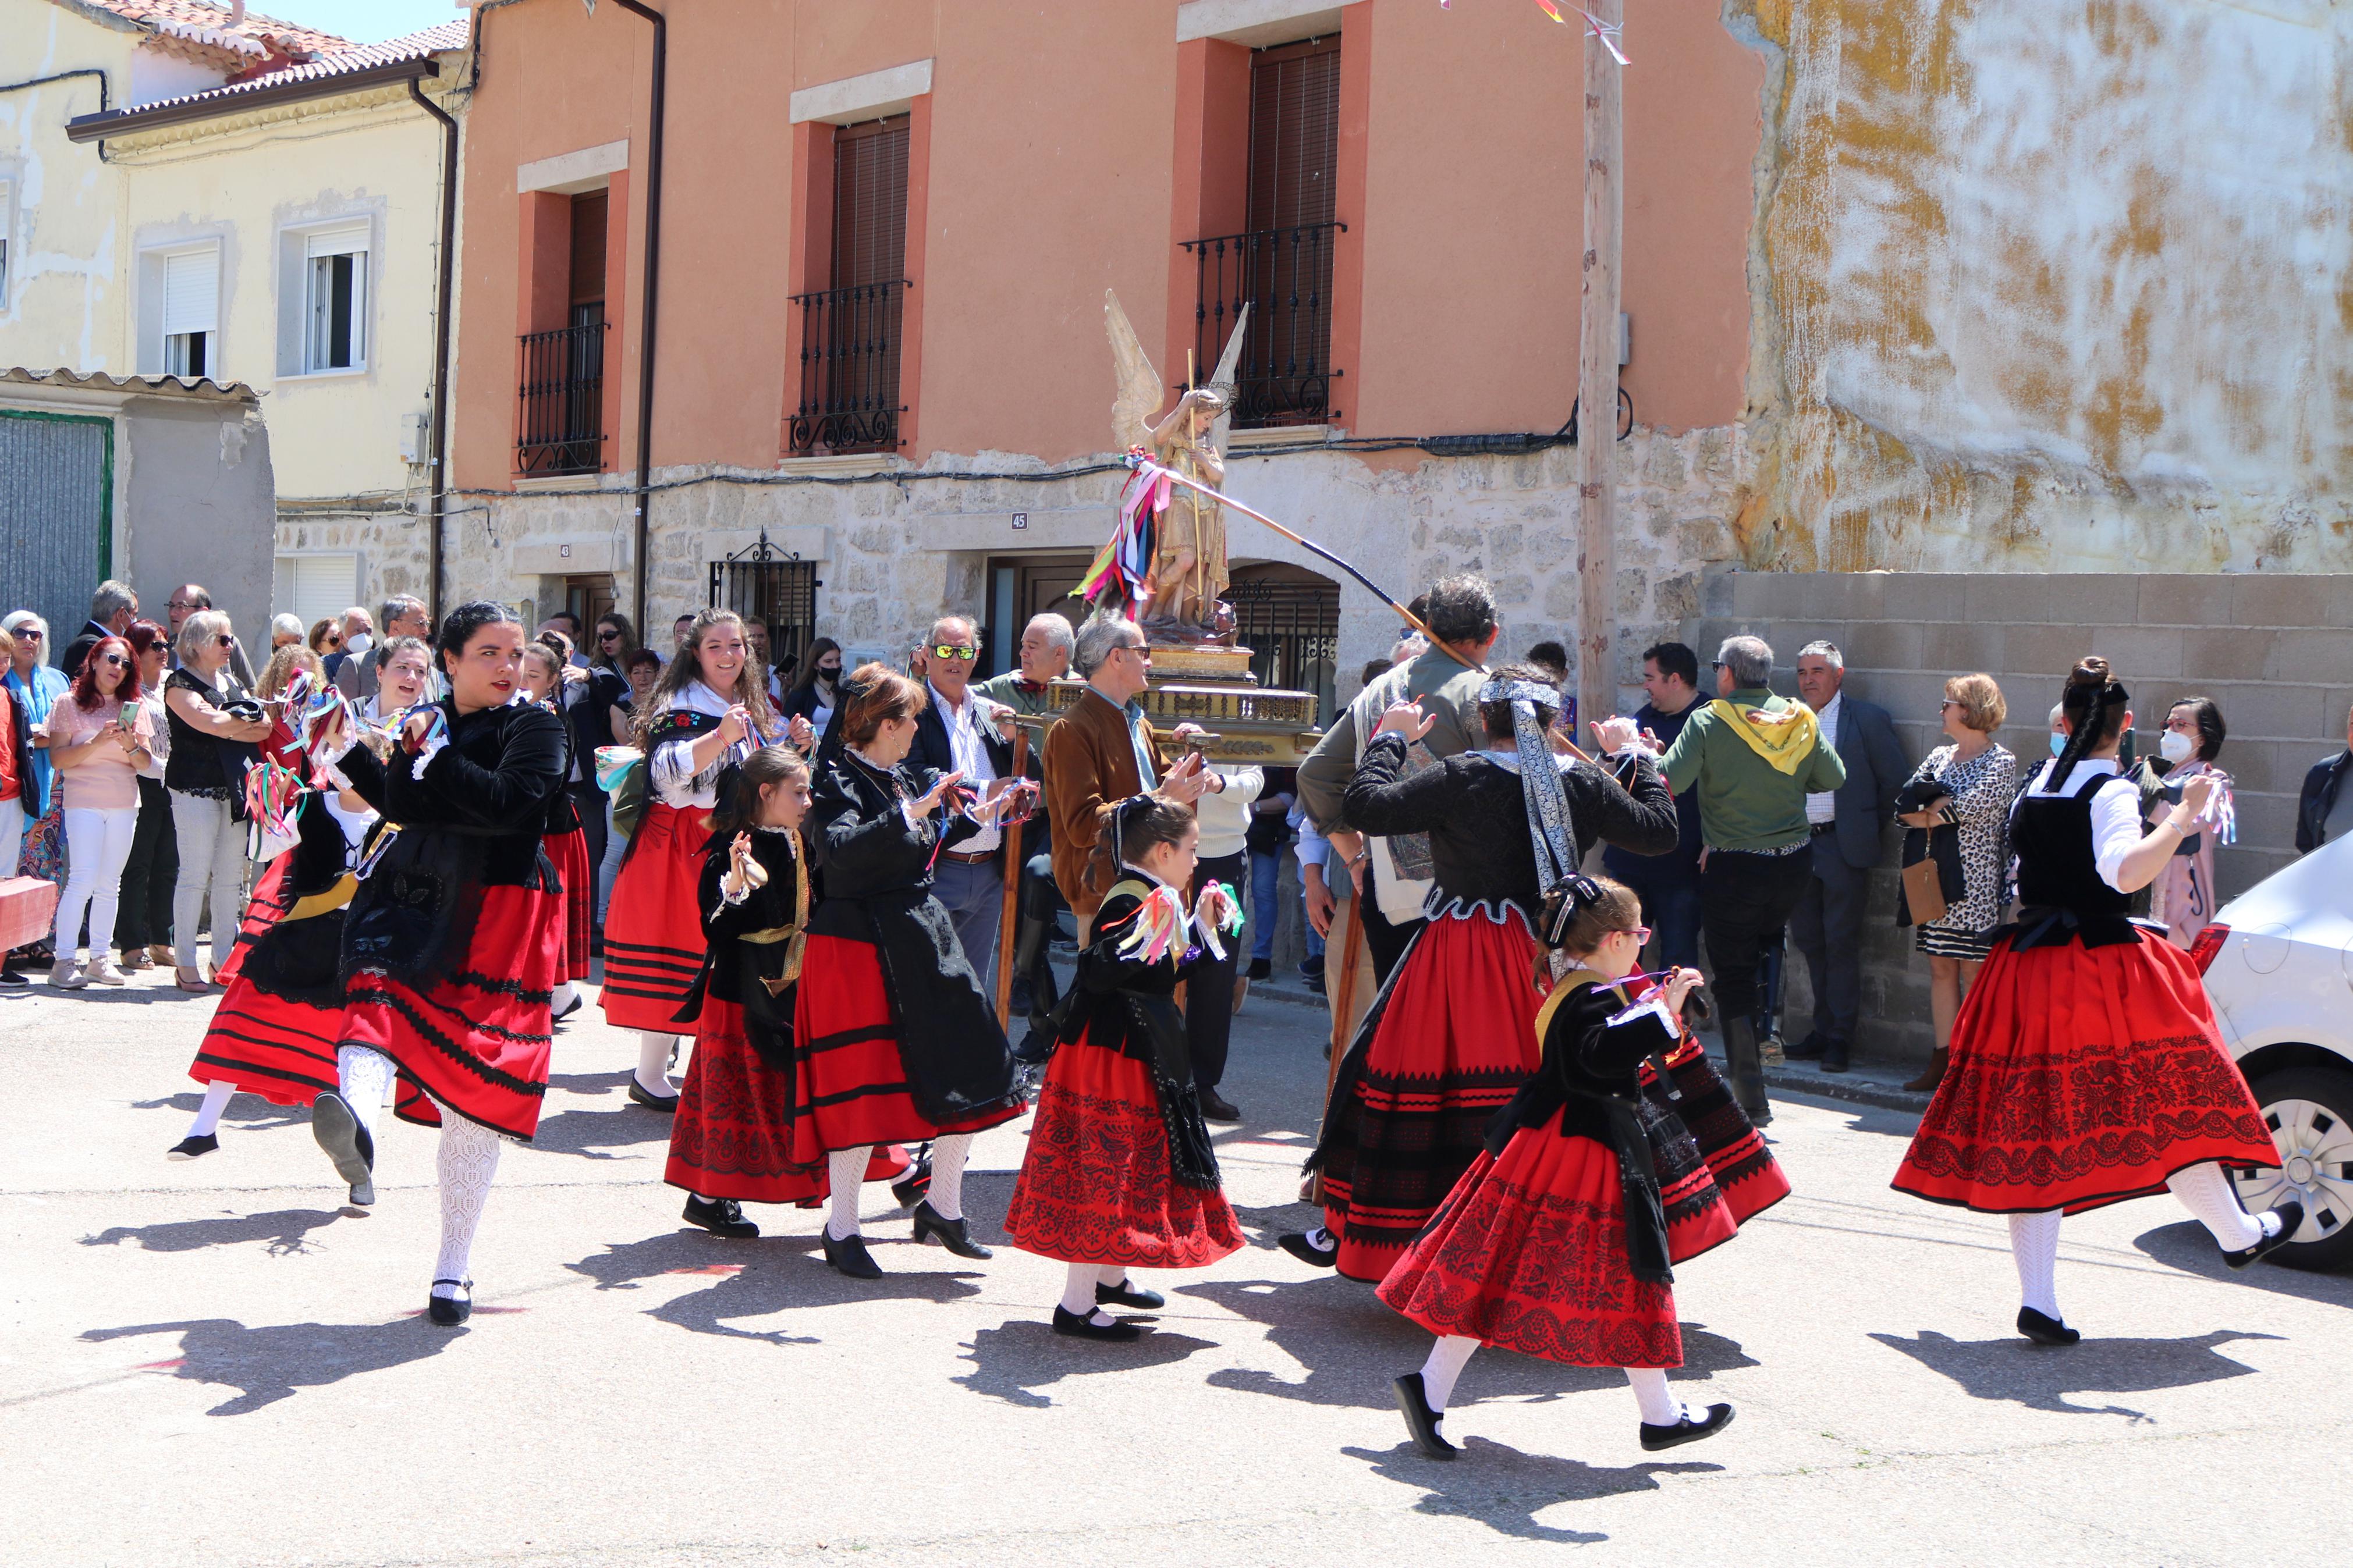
column 1044, row 658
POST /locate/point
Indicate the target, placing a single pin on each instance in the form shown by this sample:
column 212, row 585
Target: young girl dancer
column 453, row 939
column 1559, row 1240
column 709, row 710
column 2086, row 1068
column 893, row 1040
column 1120, row 1171
column 568, row 845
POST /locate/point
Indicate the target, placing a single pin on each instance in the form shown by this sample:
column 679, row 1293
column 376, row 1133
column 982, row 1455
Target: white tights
column 1079, row 1288
column 363, row 1077
column 208, row 1114
column 468, row 1159
column 2203, row 1190
column 1451, row 1354
column 846, row 1172
column 653, row 1063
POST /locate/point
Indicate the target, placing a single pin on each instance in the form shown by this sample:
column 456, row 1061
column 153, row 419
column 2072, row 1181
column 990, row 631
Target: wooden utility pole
column 1597, row 381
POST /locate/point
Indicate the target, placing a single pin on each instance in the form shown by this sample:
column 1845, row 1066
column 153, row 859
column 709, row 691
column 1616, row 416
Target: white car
column 2278, row 962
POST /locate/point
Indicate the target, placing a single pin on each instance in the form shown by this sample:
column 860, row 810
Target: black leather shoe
column 1085, row 1328
column 1127, row 1294
column 10, row 978
column 1805, row 1050
column 2044, row 1331
column 720, row 1217
column 1216, row 1107
column 930, row 1225
column 910, row 1188
column 650, row 1102
column 1686, row 1430
column 849, row 1257
column 1420, row 1420
column 1295, row 1243
column 339, row 1134
column 578, row 1001
column 1261, row 969
column 190, row 1148
column 449, row 1312
column 2291, row 1214
column 1834, row 1055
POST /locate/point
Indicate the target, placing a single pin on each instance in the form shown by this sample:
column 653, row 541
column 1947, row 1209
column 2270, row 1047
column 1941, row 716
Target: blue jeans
column 1671, row 908
column 975, row 898
column 1265, row 894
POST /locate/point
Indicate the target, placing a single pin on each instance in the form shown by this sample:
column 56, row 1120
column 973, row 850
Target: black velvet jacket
column 1476, row 815
column 297, row 955
column 1124, row 1005
column 473, row 821
column 753, row 957
column 875, row 873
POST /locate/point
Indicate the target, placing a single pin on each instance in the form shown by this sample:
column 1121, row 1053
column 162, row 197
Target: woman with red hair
column 97, row 736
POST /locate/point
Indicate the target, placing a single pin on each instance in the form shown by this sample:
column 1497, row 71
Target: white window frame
column 345, row 594
column 8, row 230
column 161, row 258
column 356, row 241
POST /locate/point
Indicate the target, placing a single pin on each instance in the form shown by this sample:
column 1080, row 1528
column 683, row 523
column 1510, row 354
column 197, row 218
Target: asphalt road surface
column 212, row 1363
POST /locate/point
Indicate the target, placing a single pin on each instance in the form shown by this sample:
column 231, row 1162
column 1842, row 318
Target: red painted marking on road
column 709, row 1269
column 162, row 1365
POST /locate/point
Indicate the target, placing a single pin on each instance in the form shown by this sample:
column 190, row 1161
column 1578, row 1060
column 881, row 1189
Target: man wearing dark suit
column 112, row 610
column 1849, row 827
column 2323, row 810
column 959, row 731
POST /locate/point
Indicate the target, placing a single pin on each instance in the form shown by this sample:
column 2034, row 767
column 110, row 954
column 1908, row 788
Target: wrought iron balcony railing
column 850, row 340
column 563, row 401
column 1284, row 276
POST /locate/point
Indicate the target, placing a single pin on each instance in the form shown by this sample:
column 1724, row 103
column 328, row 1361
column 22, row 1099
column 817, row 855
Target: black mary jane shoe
column 849, row 1256
column 577, row 1002
column 1127, row 1294
column 638, row 1092
column 1413, row 1404
column 338, row 1132
column 191, row 1147
column 1686, row 1430
column 930, row 1225
column 1295, row 1243
column 2044, row 1329
column 721, row 1216
column 1072, row 1325
column 910, row 1188
column 448, row 1311
column 2291, row 1217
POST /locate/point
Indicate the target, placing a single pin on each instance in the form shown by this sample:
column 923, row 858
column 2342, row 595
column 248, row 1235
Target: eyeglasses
column 608, row 635
column 116, row 659
column 949, row 651
column 1131, row 647
column 331, row 641
column 226, row 640
column 26, row 634
column 184, row 604
column 1641, row 934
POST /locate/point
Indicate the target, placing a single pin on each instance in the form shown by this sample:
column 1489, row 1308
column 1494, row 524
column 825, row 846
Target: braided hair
column 2094, row 706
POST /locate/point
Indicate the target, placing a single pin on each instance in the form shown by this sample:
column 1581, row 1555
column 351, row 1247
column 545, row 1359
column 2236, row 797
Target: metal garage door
column 57, row 501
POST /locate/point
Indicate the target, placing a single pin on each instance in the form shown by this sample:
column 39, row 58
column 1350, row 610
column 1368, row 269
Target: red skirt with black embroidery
column 849, row 1086
column 568, row 852
column 1740, row 1163
column 730, row 1137
column 653, row 929
column 478, row 1040
column 2082, row 1077
column 1455, row 1042
column 1529, row 1254
column 1095, row 1186
column 277, row 1047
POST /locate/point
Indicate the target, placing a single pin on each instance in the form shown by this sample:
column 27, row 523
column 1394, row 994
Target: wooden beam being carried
column 1598, row 345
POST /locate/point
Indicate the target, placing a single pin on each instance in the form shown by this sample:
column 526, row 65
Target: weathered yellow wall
column 64, row 307
column 2051, row 285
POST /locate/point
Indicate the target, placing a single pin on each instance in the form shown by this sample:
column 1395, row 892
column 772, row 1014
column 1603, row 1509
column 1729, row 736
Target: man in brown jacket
column 1102, row 750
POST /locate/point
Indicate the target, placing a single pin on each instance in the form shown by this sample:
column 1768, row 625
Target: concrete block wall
column 2275, row 650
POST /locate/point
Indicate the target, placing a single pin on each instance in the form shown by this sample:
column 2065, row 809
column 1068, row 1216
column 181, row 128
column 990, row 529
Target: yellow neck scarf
column 1785, row 739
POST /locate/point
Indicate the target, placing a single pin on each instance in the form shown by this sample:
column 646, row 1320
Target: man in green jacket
column 1754, row 758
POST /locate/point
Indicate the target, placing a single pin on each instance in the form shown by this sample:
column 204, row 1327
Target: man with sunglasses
column 960, row 731
column 185, row 600
column 112, row 610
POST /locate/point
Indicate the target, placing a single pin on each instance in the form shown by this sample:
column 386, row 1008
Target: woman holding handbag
column 1957, row 805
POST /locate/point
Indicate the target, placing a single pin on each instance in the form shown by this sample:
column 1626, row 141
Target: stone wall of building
column 2275, row 650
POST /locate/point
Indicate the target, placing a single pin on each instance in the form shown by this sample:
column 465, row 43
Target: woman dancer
column 97, row 739
column 2085, row 1066
column 1559, row 1240
column 403, row 675
column 1452, row 1034
column 568, row 845
column 453, row 939
column 893, row 1041
column 1120, row 1171
column 215, row 727
column 706, row 713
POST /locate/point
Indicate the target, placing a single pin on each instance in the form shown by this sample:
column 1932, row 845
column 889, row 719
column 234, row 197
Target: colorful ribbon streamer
column 612, row 763
column 1156, row 927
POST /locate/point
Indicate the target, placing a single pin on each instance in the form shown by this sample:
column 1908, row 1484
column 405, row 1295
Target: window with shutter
column 336, row 271
column 564, row 369
column 314, row 587
column 851, row 332
column 190, row 311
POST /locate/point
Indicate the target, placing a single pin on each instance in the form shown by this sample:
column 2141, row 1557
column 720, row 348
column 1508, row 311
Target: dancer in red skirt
column 1559, row 1240
column 893, row 1041
column 707, row 713
column 568, row 845
column 2085, row 1065
column 1120, row 1171
column 452, row 943
column 1451, row 1037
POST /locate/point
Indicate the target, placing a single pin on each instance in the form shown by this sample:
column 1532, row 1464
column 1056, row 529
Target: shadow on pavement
column 771, row 1273
column 1504, row 1488
column 271, row 1363
column 2190, row 1247
column 1351, row 1346
column 2041, row 1377
column 591, row 1134
column 1012, row 1362
column 254, row 1115
column 286, row 1230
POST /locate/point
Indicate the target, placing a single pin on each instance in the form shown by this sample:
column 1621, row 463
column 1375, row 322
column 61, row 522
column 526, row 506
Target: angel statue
column 1183, row 585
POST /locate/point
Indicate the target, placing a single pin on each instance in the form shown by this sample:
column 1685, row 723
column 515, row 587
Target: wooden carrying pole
column 1007, row 927
column 1597, row 381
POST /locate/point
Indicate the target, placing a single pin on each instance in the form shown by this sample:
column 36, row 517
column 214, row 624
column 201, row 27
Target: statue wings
column 1139, row 393
column 1222, row 379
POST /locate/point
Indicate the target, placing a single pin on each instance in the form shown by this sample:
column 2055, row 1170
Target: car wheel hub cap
column 2315, row 1150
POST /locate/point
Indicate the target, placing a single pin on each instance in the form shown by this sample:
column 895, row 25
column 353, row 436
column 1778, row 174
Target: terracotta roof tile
column 439, row 38
column 204, row 24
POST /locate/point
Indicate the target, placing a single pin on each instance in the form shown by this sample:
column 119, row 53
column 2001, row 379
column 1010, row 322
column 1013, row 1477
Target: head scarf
column 1548, row 825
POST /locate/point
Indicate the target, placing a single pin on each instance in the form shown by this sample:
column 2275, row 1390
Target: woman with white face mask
column 2183, row 895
